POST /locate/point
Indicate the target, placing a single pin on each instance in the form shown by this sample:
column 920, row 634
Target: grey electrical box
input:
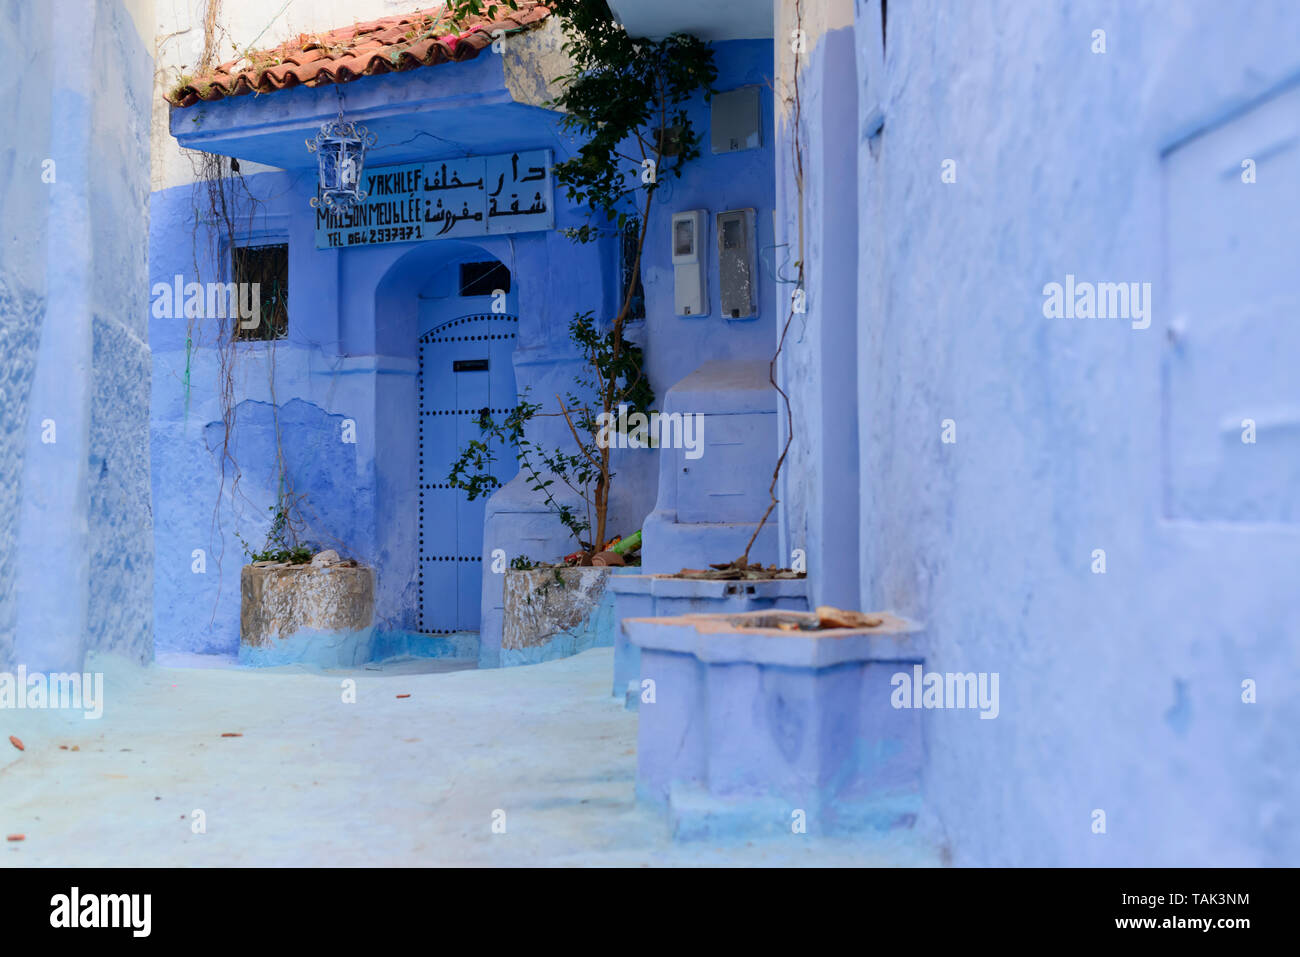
column 734, row 121
column 736, row 273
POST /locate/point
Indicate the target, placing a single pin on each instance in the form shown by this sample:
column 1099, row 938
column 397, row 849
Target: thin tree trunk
column 610, row 397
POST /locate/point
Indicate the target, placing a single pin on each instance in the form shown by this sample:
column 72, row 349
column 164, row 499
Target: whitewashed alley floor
column 385, row 781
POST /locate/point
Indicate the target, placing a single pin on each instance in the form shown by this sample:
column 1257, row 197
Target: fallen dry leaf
column 403, row 696
column 16, row 837
column 231, row 734
column 16, row 743
column 831, row 617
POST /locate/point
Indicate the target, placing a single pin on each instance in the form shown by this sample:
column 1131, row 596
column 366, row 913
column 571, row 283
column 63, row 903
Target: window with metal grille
column 483, row 279
column 629, row 276
column 261, row 275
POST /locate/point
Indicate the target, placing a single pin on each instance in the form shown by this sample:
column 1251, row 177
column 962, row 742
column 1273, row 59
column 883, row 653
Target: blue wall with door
column 466, row 368
column 351, row 360
column 343, row 385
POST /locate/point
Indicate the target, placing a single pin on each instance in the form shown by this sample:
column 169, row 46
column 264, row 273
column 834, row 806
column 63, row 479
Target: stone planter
column 659, row 596
column 556, row 612
column 321, row 615
column 753, row 729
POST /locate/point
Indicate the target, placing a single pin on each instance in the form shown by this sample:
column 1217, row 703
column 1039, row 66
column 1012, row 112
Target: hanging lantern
column 340, row 149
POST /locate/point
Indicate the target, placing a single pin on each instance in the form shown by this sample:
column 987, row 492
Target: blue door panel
column 453, row 390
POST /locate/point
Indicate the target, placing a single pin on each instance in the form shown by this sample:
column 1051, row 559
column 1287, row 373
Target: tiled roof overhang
column 389, row 45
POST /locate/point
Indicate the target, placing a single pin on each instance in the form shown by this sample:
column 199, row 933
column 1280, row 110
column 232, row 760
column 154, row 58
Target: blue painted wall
column 331, row 369
column 1120, row 692
column 23, row 285
column 819, row 319
column 715, row 183
column 351, row 354
column 76, row 548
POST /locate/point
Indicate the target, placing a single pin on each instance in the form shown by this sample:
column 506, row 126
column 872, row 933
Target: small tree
column 627, row 99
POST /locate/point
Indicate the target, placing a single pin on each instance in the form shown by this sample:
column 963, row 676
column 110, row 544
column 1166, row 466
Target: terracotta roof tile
column 388, row 45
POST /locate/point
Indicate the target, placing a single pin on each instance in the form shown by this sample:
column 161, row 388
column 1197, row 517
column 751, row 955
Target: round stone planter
column 556, row 612
column 748, row 728
column 321, row 615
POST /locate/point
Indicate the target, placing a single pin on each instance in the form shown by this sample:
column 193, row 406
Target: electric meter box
column 736, row 269
column 735, row 121
column 689, row 295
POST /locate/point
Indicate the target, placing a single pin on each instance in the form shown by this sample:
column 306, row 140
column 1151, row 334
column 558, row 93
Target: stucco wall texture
column 1122, row 691
column 22, row 282
column 76, row 544
column 121, row 517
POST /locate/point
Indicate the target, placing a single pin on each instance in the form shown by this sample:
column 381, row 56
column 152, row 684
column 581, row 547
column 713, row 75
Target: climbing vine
column 222, row 204
column 795, row 102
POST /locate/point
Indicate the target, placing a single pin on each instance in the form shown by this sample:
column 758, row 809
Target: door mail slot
column 470, row 365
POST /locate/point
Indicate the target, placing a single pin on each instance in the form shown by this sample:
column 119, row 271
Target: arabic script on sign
column 445, row 199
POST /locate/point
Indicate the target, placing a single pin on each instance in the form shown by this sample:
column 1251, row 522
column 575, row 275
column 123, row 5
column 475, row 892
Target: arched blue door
column 465, row 367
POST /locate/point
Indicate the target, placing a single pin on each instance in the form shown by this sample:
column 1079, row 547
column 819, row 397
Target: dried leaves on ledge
column 739, row 571
column 831, row 617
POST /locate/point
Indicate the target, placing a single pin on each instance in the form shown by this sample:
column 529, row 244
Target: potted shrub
column 556, row 610
column 301, row 605
column 625, row 100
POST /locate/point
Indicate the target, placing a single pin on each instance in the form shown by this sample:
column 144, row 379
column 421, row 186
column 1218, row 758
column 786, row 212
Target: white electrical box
column 736, row 270
column 689, row 296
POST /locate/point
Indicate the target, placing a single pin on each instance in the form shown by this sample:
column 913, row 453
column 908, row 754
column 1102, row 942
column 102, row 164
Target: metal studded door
column 465, row 367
